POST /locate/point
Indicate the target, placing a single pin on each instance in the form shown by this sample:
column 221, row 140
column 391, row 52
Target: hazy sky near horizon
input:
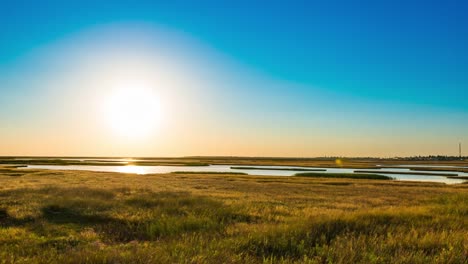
column 253, row 78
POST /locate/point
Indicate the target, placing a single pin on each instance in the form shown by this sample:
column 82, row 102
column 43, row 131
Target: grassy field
column 97, row 217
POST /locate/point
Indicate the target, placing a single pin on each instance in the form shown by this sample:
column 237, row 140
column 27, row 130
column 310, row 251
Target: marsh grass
column 448, row 169
column 14, row 163
column 165, row 163
column 13, row 171
column 458, row 177
column 208, row 172
column 377, row 236
column 281, row 169
column 344, row 175
column 351, row 163
column 408, row 173
column 90, row 217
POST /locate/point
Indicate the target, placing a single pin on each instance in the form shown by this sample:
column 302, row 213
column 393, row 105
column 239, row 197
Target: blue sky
column 410, row 57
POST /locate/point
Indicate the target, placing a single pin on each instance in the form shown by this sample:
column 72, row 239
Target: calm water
column 266, row 172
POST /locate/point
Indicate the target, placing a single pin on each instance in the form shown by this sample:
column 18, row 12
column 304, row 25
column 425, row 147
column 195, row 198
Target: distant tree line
column 411, row 158
column 433, row 158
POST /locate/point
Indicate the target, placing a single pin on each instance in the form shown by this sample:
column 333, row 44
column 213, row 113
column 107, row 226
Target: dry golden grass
column 97, row 217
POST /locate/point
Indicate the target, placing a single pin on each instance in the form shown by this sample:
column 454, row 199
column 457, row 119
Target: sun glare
column 132, row 112
column 132, row 169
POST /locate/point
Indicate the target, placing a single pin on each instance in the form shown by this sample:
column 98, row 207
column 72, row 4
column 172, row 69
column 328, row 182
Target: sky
column 236, row 78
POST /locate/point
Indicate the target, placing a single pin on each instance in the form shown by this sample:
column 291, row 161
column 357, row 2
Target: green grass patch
column 143, row 216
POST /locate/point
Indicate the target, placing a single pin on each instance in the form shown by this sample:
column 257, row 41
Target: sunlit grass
column 97, row 217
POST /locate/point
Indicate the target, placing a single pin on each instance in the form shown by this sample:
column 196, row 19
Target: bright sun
column 132, row 112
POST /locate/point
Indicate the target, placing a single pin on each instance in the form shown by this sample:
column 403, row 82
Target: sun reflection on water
column 132, row 169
